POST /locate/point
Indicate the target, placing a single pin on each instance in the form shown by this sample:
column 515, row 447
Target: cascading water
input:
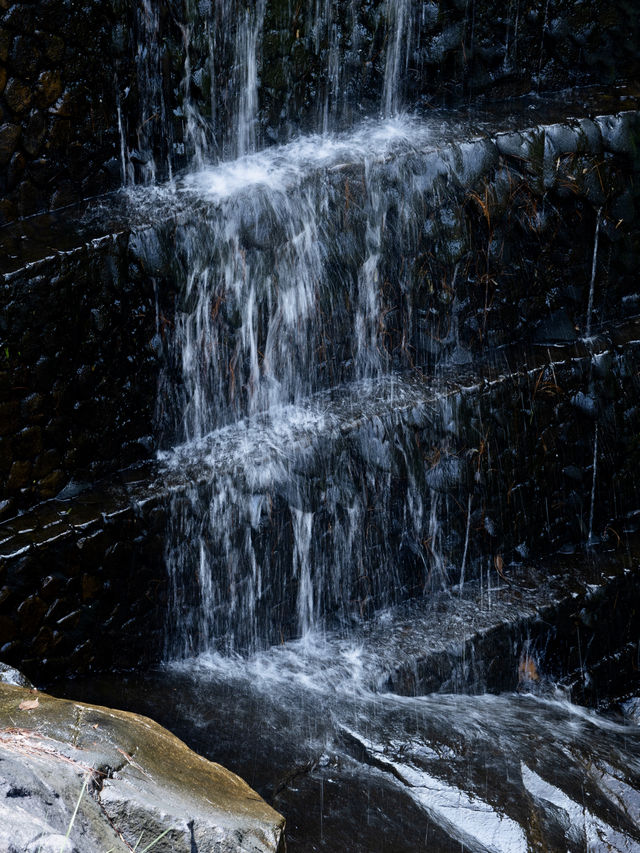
column 397, row 53
column 307, row 403
column 594, row 268
column 285, row 294
column 246, row 72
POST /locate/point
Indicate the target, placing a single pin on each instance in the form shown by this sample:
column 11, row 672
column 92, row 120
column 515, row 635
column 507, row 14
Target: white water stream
column 320, row 479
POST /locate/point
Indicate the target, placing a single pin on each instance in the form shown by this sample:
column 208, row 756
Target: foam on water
column 281, row 168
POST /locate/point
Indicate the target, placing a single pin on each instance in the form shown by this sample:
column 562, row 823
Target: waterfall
column 302, row 528
column 397, row 52
column 284, row 394
column 195, row 132
column 220, row 110
column 246, row 73
column 594, row 267
column 301, row 349
column 590, row 539
column 123, row 147
column 152, row 130
column 368, row 303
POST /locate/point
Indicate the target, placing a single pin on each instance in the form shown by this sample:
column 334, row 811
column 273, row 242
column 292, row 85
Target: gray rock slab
column 131, row 780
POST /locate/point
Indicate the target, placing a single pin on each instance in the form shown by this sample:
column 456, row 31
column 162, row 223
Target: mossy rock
column 128, row 775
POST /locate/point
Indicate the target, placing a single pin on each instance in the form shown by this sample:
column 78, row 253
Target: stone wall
column 66, row 68
column 58, row 127
column 325, row 64
column 505, row 254
column 85, row 589
column 83, row 584
column 78, row 370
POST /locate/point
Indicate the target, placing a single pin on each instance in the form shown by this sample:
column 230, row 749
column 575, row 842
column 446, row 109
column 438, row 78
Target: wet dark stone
column 91, row 587
column 53, row 46
column 6, row 455
column 20, row 16
column 43, row 172
column 27, row 444
column 9, row 136
column 59, row 609
column 82, row 656
column 30, row 614
column 70, row 621
column 51, row 587
column 9, row 418
column 18, row 95
column 45, row 464
column 32, row 408
column 68, row 105
column 3, row 79
column 7, row 211
column 19, row 476
column 5, row 44
column 59, row 133
column 25, row 58
column 34, row 133
column 65, row 194
column 45, row 641
column 29, row 199
column 8, row 629
column 15, row 169
column 48, row 88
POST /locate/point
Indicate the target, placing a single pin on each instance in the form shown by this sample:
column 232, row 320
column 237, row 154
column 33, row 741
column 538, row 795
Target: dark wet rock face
column 103, row 97
column 504, row 251
column 77, row 371
column 85, row 588
column 484, row 503
column 501, row 237
column 57, row 102
column 328, row 64
column 342, row 420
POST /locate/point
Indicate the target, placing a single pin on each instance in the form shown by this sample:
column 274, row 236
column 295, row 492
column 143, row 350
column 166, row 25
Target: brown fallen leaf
column 528, row 670
column 28, row 704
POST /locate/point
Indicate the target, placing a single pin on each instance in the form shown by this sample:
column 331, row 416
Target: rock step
column 498, row 245
column 558, row 627
column 42, row 238
column 567, row 623
column 398, row 469
column 404, row 243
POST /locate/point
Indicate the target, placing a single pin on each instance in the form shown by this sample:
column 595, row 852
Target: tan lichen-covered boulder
column 132, row 781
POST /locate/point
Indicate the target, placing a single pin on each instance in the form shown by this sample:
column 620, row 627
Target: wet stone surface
column 56, row 756
column 57, row 104
column 99, row 557
column 330, row 64
column 350, row 766
column 326, row 66
column 77, row 371
column 514, row 218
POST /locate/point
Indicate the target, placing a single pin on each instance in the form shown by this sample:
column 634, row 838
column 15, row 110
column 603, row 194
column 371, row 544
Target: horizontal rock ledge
column 98, row 558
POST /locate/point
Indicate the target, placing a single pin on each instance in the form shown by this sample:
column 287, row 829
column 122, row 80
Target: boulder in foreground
column 132, row 780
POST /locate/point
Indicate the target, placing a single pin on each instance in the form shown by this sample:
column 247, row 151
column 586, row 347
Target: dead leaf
column 528, row 670
column 28, row 704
